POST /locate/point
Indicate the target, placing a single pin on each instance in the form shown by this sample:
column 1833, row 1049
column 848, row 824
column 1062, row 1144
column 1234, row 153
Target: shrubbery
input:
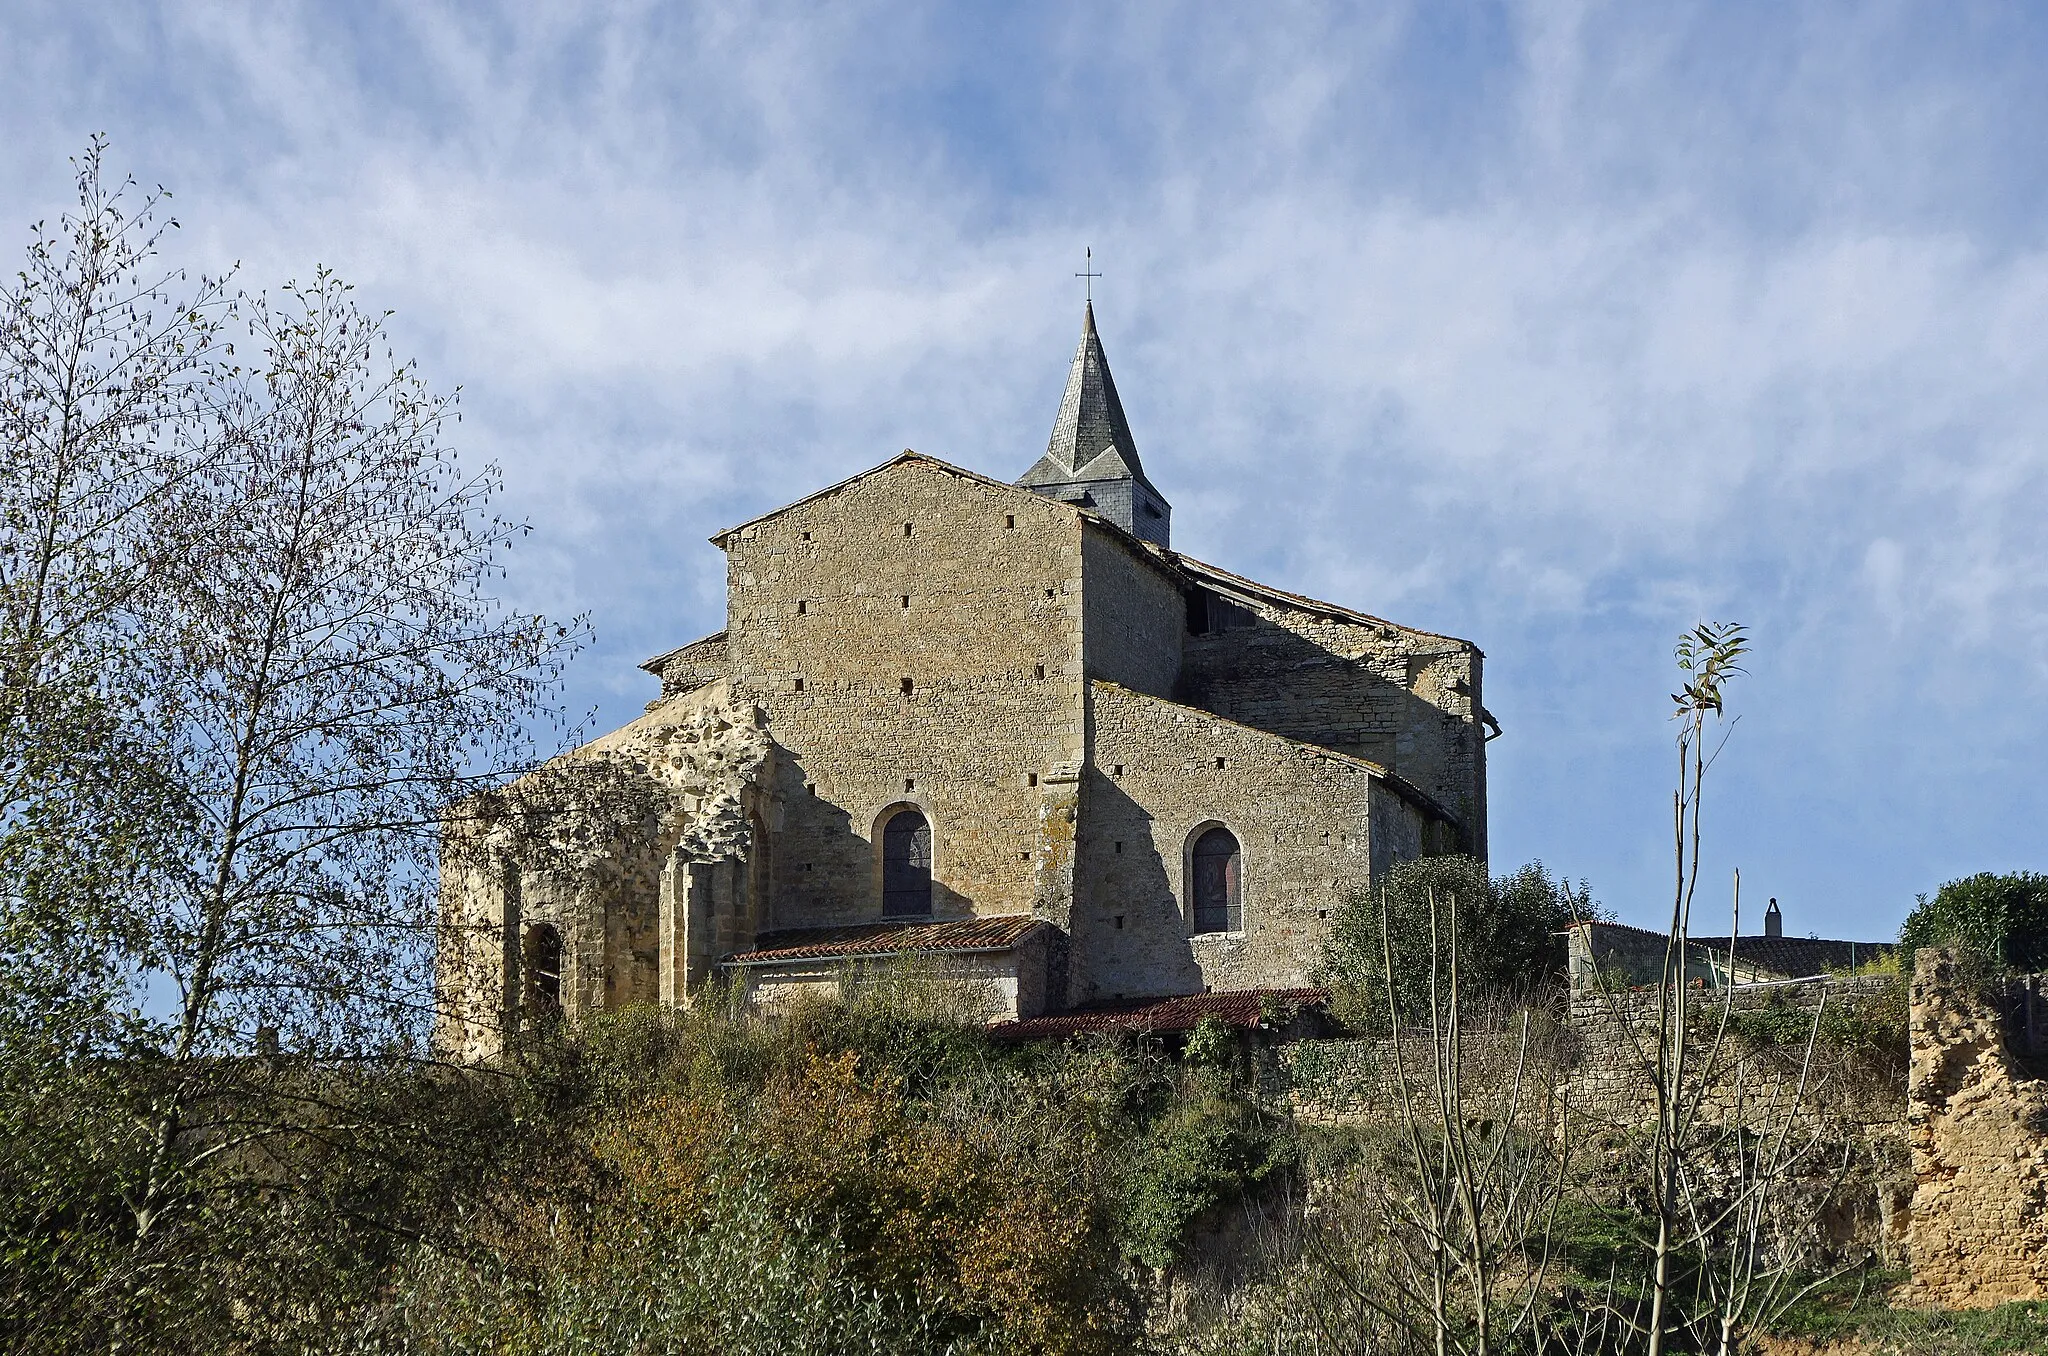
column 1508, row 933
column 873, row 1175
column 2003, row 917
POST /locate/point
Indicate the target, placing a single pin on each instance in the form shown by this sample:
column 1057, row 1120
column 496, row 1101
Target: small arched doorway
column 907, row 866
column 1218, row 870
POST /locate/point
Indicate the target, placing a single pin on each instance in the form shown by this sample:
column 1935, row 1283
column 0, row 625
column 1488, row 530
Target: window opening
column 800, row 609
column 906, row 687
column 1038, row 671
column 906, row 601
column 1218, row 887
column 1209, row 612
column 541, row 950
column 907, row 865
column 799, row 685
column 906, row 529
column 1009, row 520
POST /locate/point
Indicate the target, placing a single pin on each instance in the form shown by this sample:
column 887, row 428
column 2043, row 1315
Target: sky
column 1560, row 327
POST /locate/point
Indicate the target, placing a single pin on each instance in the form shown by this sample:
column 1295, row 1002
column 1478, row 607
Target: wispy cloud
column 1556, row 326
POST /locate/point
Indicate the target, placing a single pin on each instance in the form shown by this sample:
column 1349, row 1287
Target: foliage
column 1204, row 1153
column 1871, row 1029
column 1212, row 1043
column 1508, row 936
column 108, row 367
column 249, row 650
column 2001, row 916
column 1853, row 1308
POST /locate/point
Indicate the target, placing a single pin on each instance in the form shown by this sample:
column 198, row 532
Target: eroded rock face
column 703, row 763
column 1978, row 1127
column 676, row 779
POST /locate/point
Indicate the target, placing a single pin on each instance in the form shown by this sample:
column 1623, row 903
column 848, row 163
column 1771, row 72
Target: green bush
column 2004, row 917
column 1201, row 1154
column 736, row 1278
column 1508, row 932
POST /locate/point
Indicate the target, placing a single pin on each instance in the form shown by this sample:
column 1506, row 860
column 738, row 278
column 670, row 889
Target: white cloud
column 1560, row 329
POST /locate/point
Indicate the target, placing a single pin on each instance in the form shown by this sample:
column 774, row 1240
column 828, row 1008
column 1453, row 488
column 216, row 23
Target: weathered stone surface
column 1313, row 826
column 1978, row 1125
column 1014, row 669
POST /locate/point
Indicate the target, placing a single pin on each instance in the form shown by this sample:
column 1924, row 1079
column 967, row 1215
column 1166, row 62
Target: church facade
column 1005, row 726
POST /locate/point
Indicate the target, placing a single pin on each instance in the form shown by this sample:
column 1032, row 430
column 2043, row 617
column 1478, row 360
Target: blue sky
column 1557, row 326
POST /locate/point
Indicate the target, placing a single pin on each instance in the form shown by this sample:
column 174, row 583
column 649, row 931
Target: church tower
column 1091, row 460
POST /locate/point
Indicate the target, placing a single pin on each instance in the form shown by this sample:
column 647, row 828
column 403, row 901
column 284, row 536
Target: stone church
column 1002, row 726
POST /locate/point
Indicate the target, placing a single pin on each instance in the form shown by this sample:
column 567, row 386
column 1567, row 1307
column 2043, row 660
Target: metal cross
column 1087, row 271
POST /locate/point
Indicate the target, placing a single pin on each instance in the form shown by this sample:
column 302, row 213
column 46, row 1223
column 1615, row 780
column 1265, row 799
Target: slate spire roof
column 1091, row 439
column 1091, row 444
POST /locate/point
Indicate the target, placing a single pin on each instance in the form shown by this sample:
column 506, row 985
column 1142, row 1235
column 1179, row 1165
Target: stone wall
column 971, row 594
column 591, row 846
column 1354, row 1082
column 1011, row 983
column 1406, row 700
column 1601, row 1060
column 1612, row 1080
column 1978, row 1125
column 1135, row 614
column 690, row 667
column 1160, row 775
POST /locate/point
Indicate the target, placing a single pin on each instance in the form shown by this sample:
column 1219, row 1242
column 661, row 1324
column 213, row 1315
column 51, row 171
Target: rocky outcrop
column 1978, row 1127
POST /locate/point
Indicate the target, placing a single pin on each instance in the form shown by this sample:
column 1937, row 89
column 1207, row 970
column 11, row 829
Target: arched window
column 907, row 865
column 1218, row 888
column 541, row 950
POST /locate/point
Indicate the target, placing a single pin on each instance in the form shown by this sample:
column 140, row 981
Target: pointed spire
column 1091, row 457
column 1091, row 419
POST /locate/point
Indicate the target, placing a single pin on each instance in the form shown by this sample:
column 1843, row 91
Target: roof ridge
column 906, row 455
column 1194, row 566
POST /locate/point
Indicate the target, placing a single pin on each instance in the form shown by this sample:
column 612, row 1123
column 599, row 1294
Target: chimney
column 1774, row 922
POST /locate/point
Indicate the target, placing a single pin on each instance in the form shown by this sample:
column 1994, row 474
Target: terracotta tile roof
column 1241, row 1007
column 888, row 939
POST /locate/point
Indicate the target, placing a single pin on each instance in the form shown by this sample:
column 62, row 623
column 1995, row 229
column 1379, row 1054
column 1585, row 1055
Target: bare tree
column 1486, row 1165
column 110, row 371
column 334, row 670
column 1708, row 656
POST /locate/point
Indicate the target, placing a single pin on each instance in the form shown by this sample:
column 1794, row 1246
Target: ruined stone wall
column 820, row 635
column 1158, row 774
column 1978, row 1125
column 1406, row 700
column 585, row 845
column 1611, row 1086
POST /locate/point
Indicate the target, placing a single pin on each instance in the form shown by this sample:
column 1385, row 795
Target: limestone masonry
column 940, row 697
